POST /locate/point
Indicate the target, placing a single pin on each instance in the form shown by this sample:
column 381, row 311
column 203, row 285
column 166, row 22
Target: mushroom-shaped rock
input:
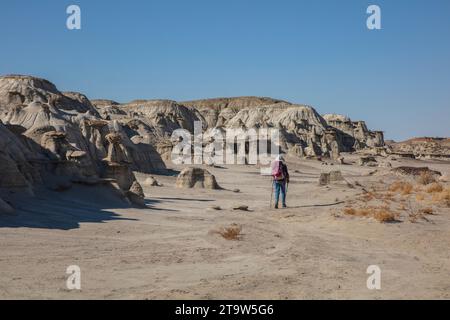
column 116, row 151
column 54, row 142
column 116, row 163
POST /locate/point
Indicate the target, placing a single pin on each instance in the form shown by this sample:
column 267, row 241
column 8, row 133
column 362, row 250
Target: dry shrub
column 427, row 211
column 435, row 188
column 232, row 232
column 362, row 212
column 368, row 196
column 420, row 197
column 425, row 178
column 388, row 196
column 442, row 197
column 401, row 187
column 383, row 214
column 420, row 215
column 407, row 189
column 414, row 217
column 350, row 211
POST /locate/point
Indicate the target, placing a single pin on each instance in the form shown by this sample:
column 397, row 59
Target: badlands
column 91, row 183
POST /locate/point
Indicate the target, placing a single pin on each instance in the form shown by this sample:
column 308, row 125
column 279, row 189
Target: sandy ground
column 168, row 250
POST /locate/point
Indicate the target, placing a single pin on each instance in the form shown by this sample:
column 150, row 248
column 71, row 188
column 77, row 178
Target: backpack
column 277, row 171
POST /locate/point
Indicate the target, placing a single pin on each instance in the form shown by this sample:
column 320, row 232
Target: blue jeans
column 280, row 186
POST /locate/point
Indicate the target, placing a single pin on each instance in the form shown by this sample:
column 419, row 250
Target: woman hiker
column 280, row 176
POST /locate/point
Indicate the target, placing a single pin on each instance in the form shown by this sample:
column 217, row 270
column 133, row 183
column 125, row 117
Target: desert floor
column 170, row 250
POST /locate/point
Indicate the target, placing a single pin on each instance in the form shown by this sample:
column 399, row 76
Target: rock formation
column 152, row 182
column 415, row 171
column 136, row 194
column 333, row 177
column 303, row 132
column 354, row 134
column 429, row 148
column 196, row 178
column 54, row 138
column 368, row 161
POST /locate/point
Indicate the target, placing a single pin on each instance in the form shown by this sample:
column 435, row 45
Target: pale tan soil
column 169, row 251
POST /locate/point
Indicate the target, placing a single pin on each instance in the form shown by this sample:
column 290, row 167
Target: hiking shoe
column 284, row 206
column 276, row 206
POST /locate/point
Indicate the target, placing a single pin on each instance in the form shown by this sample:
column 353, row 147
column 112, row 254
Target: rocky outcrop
column 45, row 132
column 303, row 132
column 415, row 171
column 355, row 134
column 52, row 138
column 216, row 112
column 428, row 148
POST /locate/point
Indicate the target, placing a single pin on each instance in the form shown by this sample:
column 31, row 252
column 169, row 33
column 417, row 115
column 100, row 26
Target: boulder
column 333, row 177
column 241, row 208
column 136, row 194
column 151, row 182
column 368, row 161
column 196, row 178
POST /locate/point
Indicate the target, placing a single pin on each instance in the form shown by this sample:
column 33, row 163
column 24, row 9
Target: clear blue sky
column 313, row 52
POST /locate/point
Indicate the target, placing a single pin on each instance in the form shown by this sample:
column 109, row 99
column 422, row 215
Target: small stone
column 242, row 208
